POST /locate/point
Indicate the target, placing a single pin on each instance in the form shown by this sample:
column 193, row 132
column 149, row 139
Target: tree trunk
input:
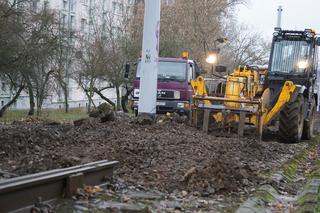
column 64, row 87
column 118, row 98
column 90, row 94
column 124, row 100
column 31, row 97
column 41, row 93
column 89, row 102
column 38, row 106
column 14, row 99
column 65, row 91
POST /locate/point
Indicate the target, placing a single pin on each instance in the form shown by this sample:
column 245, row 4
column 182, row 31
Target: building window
column 3, row 86
column 72, row 22
column 35, row 5
column 72, row 5
column 104, row 6
column 84, row 2
column 114, row 7
column 64, row 20
column 83, row 24
column 65, row 4
column 46, row 5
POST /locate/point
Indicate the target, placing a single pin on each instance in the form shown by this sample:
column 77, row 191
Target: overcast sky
column 297, row 15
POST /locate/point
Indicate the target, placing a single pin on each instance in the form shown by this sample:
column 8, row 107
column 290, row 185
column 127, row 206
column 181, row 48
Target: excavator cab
column 294, row 57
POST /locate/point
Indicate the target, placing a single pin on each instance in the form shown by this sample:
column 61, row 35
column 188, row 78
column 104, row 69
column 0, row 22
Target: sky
column 261, row 15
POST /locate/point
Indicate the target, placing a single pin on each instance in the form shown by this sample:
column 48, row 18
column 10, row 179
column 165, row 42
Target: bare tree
column 12, row 49
column 41, row 43
column 189, row 25
column 104, row 55
column 244, row 47
column 90, row 65
column 63, row 57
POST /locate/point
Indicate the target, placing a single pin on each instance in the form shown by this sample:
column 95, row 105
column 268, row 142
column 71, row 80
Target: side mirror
column 318, row 41
column 127, row 71
column 220, row 68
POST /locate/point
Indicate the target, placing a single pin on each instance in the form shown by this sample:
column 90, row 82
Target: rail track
column 31, row 193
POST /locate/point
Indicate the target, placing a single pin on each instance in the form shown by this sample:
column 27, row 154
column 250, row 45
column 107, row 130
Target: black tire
column 308, row 126
column 291, row 121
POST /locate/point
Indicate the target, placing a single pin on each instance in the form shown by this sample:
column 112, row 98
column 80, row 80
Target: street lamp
column 211, row 58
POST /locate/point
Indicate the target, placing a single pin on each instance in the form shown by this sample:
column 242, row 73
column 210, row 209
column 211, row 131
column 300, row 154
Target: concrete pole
column 279, row 20
column 150, row 56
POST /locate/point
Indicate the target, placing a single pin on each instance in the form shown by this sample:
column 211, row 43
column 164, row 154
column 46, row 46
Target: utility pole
column 279, row 20
column 150, row 57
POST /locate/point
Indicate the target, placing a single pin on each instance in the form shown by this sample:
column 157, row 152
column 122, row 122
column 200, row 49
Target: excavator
column 250, row 98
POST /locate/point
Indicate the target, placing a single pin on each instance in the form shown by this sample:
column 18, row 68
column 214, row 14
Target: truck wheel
column 291, row 121
column 308, row 126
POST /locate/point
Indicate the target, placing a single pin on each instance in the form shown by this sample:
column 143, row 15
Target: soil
column 166, row 156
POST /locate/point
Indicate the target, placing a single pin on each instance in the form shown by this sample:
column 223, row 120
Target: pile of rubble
column 166, row 156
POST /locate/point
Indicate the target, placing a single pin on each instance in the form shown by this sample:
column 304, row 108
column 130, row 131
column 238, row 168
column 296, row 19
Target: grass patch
column 58, row 115
column 290, row 168
column 307, row 198
column 318, row 203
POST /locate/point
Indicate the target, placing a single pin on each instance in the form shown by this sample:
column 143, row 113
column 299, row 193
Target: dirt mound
column 104, row 112
column 155, row 156
column 221, row 175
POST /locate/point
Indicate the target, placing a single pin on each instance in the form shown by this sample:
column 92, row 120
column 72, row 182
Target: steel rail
column 20, row 194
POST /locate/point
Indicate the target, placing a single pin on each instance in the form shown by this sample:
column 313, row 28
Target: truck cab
column 174, row 91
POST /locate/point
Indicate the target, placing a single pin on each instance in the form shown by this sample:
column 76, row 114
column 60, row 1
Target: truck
column 174, row 91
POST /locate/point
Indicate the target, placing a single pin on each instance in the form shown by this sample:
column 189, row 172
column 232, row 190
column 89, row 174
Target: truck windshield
column 175, row 71
column 289, row 56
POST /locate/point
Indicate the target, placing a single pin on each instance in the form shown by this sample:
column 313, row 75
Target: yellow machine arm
column 284, row 97
column 199, row 88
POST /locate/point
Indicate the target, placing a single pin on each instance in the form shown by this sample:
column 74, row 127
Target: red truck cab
column 174, row 92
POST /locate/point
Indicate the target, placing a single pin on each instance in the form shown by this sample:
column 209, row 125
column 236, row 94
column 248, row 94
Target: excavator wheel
column 291, row 121
column 308, row 126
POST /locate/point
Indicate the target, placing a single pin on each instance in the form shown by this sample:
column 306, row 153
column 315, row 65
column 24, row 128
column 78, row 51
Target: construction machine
column 256, row 97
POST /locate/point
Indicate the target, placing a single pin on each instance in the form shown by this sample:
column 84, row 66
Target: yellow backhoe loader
column 253, row 97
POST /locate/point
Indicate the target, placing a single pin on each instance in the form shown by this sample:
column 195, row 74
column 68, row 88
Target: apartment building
column 79, row 16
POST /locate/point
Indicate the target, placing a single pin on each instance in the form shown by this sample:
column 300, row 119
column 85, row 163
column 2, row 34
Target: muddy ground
column 167, row 156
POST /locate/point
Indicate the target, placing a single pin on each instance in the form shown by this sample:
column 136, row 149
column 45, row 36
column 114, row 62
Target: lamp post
column 212, row 57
